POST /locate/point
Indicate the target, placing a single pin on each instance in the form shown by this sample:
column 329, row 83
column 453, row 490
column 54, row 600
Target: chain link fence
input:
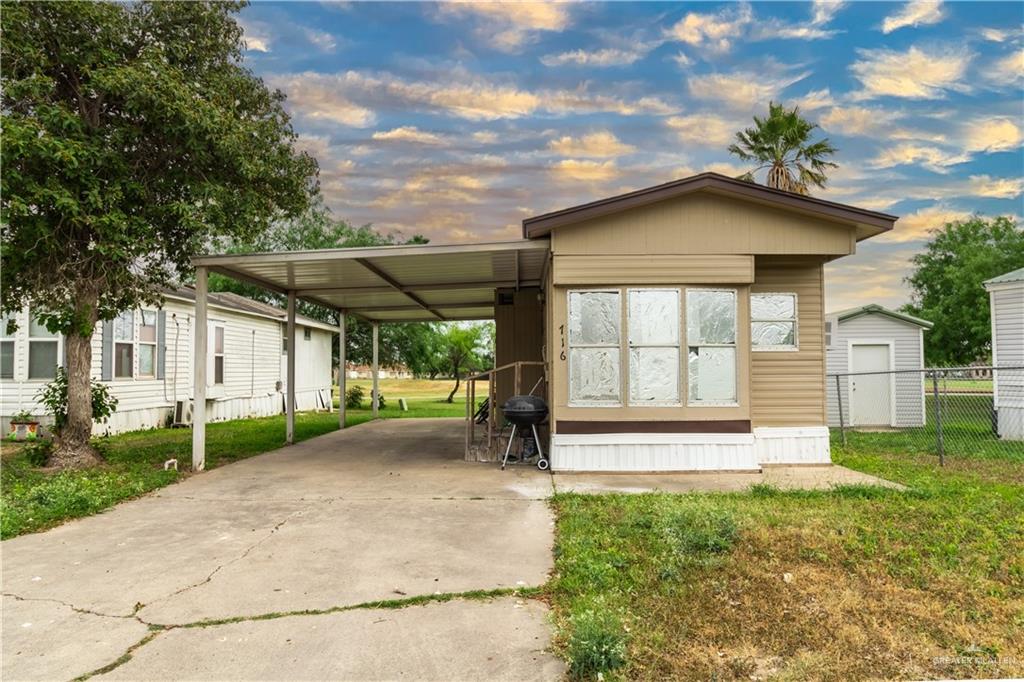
column 944, row 411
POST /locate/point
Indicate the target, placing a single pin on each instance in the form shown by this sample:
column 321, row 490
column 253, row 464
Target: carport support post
column 341, row 369
column 199, row 375
column 376, row 369
column 289, row 410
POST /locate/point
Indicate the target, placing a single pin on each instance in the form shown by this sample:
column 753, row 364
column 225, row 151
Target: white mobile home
column 875, row 339
column 145, row 356
column 1006, row 302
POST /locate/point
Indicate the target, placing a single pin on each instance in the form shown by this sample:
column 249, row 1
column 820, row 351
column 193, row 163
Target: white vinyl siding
column 251, row 373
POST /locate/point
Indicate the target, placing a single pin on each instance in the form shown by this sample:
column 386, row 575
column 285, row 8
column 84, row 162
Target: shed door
column 870, row 395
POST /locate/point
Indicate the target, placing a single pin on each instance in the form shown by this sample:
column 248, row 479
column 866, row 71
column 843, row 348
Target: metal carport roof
column 414, row 283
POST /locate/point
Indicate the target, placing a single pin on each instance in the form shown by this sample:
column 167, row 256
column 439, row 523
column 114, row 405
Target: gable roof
column 1006, row 278
column 233, row 301
column 868, row 223
column 875, row 309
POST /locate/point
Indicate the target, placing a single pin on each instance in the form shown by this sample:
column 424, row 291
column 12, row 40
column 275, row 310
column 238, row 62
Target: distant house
column 1006, row 301
column 875, row 339
column 354, row 371
column 146, row 358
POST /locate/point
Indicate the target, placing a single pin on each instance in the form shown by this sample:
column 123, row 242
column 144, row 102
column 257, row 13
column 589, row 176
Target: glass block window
column 147, row 344
column 43, row 351
column 124, row 345
column 653, row 346
column 711, row 342
column 773, row 322
column 595, row 318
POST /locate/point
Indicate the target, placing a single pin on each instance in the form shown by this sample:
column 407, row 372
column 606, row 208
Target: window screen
column 43, row 351
column 773, row 321
column 654, row 346
column 711, row 341
column 593, row 340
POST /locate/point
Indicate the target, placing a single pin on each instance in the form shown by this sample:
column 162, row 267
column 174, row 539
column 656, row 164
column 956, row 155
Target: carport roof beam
column 398, row 286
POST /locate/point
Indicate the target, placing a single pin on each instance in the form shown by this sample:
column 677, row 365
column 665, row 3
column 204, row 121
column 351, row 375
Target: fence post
column 938, row 418
column 839, row 399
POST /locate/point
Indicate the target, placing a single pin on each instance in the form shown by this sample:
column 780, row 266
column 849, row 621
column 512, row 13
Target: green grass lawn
column 855, row 583
column 34, row 499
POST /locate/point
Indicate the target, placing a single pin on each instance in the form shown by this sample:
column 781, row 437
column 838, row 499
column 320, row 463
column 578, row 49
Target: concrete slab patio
column 383, row 511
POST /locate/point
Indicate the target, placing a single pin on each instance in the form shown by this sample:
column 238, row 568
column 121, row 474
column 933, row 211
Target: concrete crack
column 248, row 550
column 76, row 609
column 419, row 600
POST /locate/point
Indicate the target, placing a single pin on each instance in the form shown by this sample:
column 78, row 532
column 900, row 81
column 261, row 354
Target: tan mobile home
column 678, row 327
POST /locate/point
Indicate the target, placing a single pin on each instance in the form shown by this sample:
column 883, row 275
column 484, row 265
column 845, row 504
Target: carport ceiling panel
column 410, row 315
column 467, row 313
column 484, row 296
column 314, row 274
column 355, row 302
column 413, row 271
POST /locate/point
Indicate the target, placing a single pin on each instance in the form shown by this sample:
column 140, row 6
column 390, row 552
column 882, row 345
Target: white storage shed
column 1006, row 301
column 872, row 338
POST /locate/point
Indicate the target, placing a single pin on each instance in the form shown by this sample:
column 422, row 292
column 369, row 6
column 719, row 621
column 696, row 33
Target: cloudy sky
column 456, row 121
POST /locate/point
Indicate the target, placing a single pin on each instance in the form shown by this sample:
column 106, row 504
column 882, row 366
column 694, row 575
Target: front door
column 870, row 394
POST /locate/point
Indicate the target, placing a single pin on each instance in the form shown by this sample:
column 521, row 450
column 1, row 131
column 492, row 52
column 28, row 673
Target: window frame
column 11, row 339
column 115, row 342
column 140, row 343
column 629, row 346
column 735, row 402
column 569, row 346
column 57, row 339
column 307, row 333
column 795, row 346
column 221, row 355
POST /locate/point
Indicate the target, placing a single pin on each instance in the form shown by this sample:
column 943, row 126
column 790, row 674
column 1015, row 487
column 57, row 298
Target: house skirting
column 690, row 451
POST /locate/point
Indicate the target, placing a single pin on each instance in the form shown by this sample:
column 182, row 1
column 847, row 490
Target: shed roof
column 867, row 223
column 1006, row 278
column 410, row 283
column 875, row 309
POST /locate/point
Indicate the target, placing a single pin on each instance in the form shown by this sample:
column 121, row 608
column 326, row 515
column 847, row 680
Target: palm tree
column 781, row 143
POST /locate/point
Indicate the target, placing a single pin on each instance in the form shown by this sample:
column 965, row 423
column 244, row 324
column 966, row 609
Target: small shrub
column 38, row 452
column 380, row 401
column 354, row 397
column 55, row 397
column 597, row 643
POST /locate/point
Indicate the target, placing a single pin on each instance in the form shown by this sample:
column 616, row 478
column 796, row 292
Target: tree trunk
column 72, row 447
column 451, row 396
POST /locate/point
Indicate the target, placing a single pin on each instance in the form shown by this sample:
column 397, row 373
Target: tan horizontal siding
column 653, row 269
column 704, row 224
column 787, row 388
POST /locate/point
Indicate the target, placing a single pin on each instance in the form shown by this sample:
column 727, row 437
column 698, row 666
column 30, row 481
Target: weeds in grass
column 849, row 583
column 597, row 643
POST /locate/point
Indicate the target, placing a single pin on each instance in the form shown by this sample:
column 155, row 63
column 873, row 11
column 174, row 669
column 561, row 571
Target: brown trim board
column 691, row 426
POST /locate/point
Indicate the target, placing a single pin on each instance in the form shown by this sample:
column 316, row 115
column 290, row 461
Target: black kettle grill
column 525, row 412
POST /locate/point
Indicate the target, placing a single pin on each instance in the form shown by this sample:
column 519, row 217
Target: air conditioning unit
column 182, row 413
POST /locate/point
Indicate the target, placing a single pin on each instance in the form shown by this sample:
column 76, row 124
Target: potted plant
column 24, row 426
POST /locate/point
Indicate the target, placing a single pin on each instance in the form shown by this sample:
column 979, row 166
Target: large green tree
column 133, row 136
column 467, row 348
column 946, row 285
column 781, row 146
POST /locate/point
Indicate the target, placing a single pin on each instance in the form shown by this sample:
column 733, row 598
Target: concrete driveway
column 269, row 568
column 264, row 559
